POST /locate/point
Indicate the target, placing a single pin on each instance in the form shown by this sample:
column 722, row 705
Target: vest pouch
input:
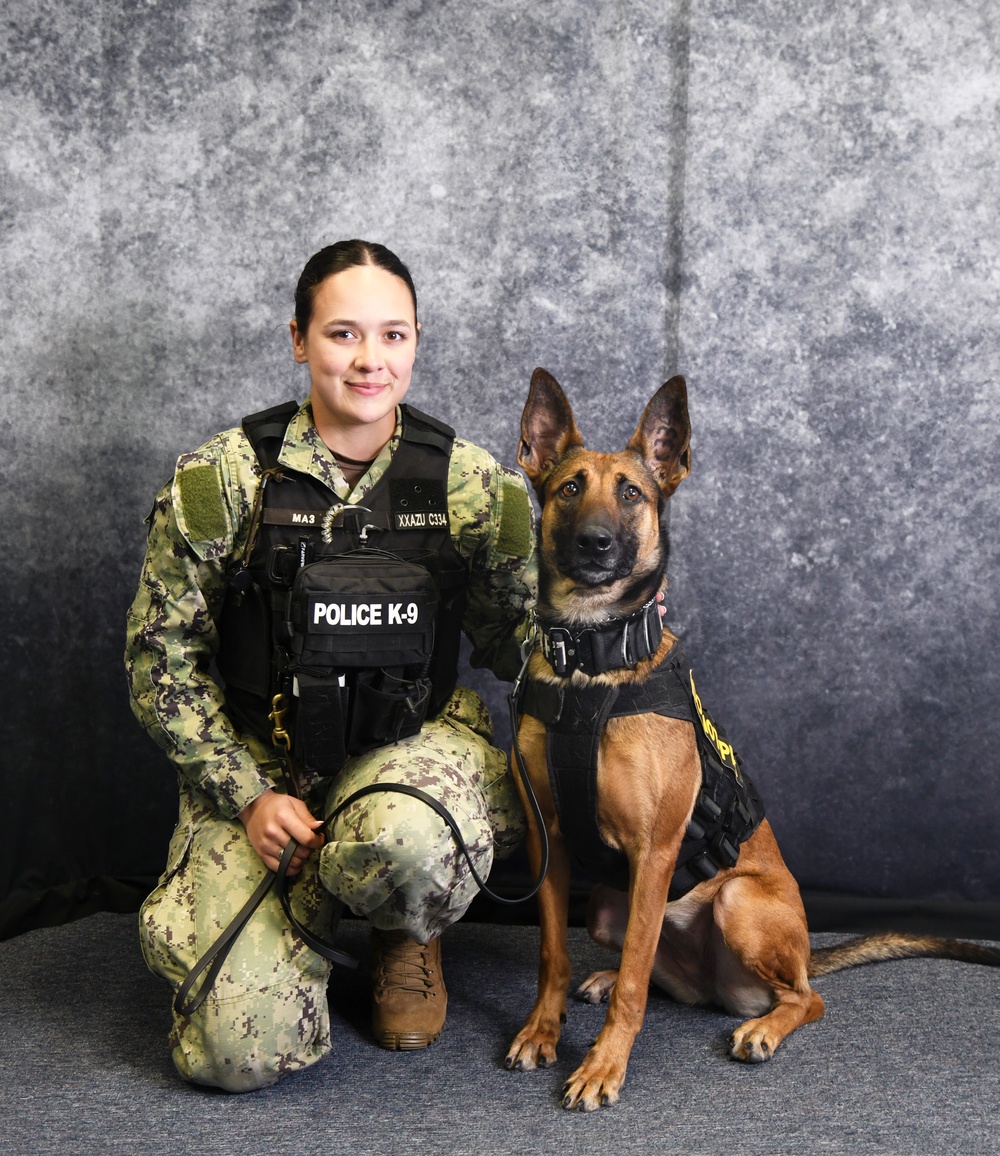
column 361, row 637
column 244, row 658
column 386, row 708
column 450, row 577
column 321, row 706
column 361, row 610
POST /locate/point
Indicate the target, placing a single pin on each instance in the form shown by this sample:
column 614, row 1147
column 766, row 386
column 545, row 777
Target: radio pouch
column 361, row 629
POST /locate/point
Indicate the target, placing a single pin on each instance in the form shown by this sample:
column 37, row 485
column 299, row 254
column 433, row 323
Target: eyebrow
column 355, row 324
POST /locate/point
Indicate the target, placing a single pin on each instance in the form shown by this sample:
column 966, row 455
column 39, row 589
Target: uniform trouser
column 388, row 856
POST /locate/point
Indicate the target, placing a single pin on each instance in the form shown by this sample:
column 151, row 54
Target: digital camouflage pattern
column 267, row 1013
column 388, row 856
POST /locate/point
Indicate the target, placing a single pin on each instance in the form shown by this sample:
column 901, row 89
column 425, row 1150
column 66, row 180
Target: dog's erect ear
column 663, row 436
column 547, row 428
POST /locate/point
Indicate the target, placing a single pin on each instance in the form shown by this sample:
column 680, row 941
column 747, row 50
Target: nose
column 594, row 540
column 368, row 355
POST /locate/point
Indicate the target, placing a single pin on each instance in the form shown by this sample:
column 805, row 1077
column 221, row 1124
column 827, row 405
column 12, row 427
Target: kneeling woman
column 354, row 659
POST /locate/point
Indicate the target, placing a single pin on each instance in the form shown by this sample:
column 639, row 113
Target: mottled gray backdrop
column 794, row 204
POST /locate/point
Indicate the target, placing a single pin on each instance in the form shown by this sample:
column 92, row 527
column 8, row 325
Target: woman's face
column 359, row 346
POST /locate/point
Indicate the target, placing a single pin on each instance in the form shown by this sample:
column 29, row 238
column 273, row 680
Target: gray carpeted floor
column 904, row 1062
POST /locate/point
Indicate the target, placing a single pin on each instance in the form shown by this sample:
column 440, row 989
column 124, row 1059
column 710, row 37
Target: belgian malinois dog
column 738, row 939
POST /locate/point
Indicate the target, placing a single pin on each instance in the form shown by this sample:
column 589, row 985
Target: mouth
column 594, row 574
column 368, row 388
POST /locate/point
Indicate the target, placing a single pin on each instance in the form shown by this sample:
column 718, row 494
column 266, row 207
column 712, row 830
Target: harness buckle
column 556, row 648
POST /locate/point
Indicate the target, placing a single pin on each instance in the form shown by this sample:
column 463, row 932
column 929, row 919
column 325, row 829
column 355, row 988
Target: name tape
column 307, row 518
column 420, row 521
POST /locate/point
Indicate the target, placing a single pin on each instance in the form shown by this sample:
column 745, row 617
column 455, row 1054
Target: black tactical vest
column 352, row 611
column 728, row 809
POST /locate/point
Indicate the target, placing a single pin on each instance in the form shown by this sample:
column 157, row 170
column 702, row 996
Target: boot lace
column 405, row 966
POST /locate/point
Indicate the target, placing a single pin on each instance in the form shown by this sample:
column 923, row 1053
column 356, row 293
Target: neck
column 576, row 612
column 362, row 442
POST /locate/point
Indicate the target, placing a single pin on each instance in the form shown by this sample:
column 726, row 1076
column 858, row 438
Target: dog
column 737, row 939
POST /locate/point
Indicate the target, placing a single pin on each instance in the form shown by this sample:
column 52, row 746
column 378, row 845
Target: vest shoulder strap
column 266, row 431
column 425, row 430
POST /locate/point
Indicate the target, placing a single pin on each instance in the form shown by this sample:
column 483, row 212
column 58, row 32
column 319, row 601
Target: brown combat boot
column 409, row 999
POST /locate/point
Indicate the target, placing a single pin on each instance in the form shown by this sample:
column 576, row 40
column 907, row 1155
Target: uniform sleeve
column 172, row 633
column 491, row 508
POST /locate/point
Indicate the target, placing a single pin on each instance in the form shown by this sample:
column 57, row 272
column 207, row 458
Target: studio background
column 792, row 204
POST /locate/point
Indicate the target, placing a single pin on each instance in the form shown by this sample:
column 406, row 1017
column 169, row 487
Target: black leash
column 213, row 959
column 211, row 962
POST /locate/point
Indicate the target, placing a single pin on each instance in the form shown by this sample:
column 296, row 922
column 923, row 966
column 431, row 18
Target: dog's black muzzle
column 594, row 554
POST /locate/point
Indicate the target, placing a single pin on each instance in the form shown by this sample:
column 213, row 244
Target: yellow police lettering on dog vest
column 722, row 748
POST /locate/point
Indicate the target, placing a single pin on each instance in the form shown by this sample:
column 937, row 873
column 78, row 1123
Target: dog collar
column 619, row 643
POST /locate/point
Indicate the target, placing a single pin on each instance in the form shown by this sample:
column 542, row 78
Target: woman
column 354, row 682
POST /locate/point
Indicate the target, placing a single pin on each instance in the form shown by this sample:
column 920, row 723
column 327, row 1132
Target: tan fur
column 740, row 940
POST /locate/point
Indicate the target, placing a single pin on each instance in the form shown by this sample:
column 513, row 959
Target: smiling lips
column 369, row 386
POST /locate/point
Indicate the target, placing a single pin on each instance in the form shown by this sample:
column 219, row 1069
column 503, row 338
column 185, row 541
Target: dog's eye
column 631, row 493
column 569, row 489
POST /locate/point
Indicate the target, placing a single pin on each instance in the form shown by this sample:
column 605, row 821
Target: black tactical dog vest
column 728, row 809
column 352, row 611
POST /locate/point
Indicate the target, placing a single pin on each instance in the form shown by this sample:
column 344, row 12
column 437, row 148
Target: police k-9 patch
column 366, row 614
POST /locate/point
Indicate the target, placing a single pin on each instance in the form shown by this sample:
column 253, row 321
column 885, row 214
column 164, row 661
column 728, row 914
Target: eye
column 395, row 336
column 631, row 493
column 342, row 334
column 569, row 489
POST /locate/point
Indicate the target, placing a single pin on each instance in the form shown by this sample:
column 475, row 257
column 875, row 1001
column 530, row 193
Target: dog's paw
column 597, row 987
column 593, row 1085
column 751, row 1043
column 534, row 1047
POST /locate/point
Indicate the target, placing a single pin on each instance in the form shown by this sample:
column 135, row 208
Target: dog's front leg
column 599, row 1079
column 535, row 1044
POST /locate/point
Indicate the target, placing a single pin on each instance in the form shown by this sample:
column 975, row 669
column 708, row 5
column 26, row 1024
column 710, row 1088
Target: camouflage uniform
column 388, row 856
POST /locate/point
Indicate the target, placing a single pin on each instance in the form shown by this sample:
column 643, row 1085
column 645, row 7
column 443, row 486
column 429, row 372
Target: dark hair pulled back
column 335, row 259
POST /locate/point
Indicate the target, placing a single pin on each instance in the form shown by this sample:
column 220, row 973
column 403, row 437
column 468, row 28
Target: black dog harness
column 728, row 809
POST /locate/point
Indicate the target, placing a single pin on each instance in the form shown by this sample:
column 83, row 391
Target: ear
column 663, row 436
column 547, row 428
column 298, row 343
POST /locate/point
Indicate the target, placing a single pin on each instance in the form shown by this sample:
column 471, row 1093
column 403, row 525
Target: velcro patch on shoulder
column 204, row 510
column 514, row 532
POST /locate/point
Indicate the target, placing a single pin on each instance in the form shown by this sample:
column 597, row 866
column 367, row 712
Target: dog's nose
column 594, row 540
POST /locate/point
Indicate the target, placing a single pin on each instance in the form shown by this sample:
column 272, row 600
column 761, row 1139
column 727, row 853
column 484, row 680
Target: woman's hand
column 271, row 820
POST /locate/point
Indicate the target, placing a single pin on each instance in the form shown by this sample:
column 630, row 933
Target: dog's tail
column 891, row 945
